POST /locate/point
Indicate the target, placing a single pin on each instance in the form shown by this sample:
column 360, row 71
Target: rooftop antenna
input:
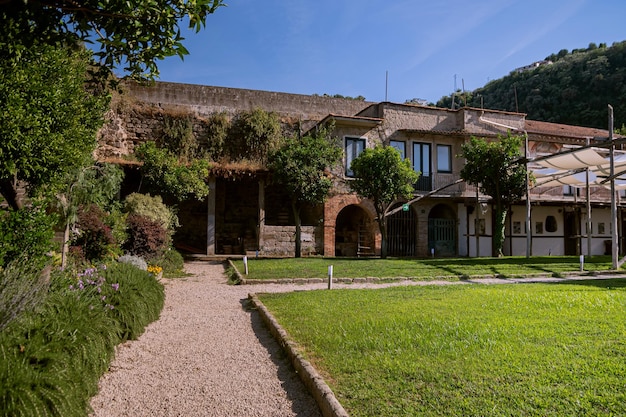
column 464, row 95
column 386, row 83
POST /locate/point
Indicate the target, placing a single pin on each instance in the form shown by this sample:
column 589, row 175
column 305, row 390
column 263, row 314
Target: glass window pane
column 400, row 146
column 417, row 157
column 426, row 159
column 354, row 146
column 444, row 158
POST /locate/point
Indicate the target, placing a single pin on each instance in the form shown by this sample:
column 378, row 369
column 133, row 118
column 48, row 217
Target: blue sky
column 348, row 47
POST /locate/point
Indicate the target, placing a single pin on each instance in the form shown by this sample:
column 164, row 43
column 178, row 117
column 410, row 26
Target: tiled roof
column 556, row 129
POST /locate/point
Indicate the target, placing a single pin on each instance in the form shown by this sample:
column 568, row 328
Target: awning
column 569, row 169
column 584, row 158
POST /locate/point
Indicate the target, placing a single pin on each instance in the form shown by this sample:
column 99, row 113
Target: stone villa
column 246, row 214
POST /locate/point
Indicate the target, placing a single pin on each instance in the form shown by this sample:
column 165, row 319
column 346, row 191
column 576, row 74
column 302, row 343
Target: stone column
column 210, row 228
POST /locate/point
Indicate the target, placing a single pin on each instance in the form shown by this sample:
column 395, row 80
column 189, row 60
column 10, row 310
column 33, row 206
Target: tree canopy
column 494, row 167
column 301, row 166
column 47, row 128
column 383, row 177
column 130, row 34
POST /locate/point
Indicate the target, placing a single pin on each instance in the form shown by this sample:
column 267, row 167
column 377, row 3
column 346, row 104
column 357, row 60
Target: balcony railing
column 427, row 183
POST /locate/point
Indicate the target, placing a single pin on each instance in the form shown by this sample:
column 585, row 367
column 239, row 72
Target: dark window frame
column 353, row 141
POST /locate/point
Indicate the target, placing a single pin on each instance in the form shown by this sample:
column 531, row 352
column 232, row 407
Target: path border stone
column 321, row 392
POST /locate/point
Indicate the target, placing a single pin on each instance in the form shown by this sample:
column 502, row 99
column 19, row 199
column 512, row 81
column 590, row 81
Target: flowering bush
column 92, row 284
column 134, row 260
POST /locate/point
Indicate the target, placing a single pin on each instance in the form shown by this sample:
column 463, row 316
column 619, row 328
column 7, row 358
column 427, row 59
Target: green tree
column 301, row 166
column 132, row 34
column 170, row 176
column 494, row 167
column 48, row 119
column 383, row 177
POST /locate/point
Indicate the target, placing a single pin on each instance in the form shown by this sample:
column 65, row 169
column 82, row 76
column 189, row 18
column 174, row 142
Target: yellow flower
column 155, row 269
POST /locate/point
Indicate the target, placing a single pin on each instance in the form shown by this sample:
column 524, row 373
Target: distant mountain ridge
column 568, row 87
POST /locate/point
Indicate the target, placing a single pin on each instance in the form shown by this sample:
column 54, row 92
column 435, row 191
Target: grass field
column 471, row 350
column 423, row 269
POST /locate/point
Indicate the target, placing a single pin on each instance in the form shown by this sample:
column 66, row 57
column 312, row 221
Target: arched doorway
column 353, row 232
column 402, row 232
column 442, row 230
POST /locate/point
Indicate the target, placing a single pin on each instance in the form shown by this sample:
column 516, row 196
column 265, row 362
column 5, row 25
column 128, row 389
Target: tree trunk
column 66, row 244
column 298, row 238
column 382, row 227
column 498, row 230
column 383, row 241
column 9, row 192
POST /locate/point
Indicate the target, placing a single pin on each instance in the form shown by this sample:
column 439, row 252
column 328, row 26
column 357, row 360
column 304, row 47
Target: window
column 551, row 224
column 601, row 228
column 539, row 228
column 421, row 163
column 444, row 158
column 400, row 146
column 517, row 228
column 354, row 147
column 571, row 191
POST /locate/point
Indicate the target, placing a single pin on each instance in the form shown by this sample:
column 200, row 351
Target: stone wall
column 279, row 240
column 204, row 100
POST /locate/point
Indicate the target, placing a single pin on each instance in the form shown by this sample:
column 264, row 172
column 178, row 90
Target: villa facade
column 247, row 214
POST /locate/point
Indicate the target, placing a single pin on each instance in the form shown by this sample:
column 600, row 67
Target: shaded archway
column 442, row 230
column 353, row 234
column 402, row 232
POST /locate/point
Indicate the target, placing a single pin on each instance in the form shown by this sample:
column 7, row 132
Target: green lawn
column 424, row 269
column 475, row 350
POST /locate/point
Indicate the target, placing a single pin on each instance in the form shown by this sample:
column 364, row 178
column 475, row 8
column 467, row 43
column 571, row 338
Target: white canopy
column 584, row 158
column 569, row 169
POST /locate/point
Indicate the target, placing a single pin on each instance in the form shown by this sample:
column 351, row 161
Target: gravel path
column 208, row 355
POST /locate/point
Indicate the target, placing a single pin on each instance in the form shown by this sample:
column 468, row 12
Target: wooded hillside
column 574, row 88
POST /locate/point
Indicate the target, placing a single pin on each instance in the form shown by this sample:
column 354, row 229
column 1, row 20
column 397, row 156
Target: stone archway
column 353, row 234
column 442, row 235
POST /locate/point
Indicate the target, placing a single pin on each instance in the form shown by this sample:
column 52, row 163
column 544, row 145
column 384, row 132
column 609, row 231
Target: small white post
column 582, row 262
column 245, row 264
column 330, row 277
column 432, row 252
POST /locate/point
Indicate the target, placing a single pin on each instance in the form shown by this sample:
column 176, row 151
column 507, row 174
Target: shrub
column 138, row 300
column 217, row 126
column 146, row 238
column 51, row 360
column 253, row 135
column 172, row 263
column 93, row 235
column 23, row 287
column 136, row 261
column 152, row 208
column 26, row 232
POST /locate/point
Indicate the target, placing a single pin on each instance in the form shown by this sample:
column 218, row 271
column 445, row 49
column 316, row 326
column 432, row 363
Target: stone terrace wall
column 204, row 100
column 140, row 116
column 279, row 240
